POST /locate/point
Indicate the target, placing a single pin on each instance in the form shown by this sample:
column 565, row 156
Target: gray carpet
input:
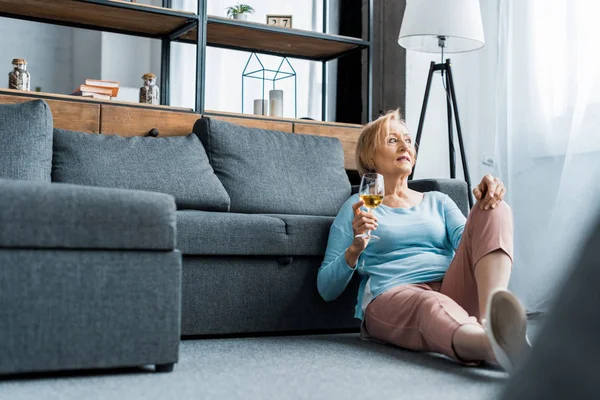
column 287, row 367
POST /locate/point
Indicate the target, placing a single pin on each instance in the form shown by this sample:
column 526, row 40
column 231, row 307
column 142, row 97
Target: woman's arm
column 338, row 266
column 455, row 221
column 344, row 248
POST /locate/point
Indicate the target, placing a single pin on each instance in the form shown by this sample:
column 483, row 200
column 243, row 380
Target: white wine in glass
column 371, row 192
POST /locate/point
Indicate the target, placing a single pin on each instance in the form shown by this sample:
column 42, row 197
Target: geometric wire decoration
column 265, row 75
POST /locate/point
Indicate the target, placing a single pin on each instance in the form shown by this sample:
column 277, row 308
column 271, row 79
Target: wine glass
column 371, row 192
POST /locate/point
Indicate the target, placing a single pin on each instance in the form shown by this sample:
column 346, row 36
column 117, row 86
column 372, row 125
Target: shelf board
column 209, row 113
column 262, row 38
column 116, row 16
column 55, row 96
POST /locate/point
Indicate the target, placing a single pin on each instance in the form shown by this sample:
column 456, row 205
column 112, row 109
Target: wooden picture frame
column 282, row 21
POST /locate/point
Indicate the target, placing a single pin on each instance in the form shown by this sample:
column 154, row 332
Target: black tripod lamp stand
column 438, row 26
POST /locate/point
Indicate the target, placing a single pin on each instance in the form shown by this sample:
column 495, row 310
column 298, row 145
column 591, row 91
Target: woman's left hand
column 489, row 192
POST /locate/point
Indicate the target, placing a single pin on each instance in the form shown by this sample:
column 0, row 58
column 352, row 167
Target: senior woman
column 435, row 281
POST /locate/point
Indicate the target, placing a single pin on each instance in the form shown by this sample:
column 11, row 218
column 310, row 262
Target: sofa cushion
column 214, row 233
column 276, row 172
column 39, row 215
column 26, row 141
column 174, row 165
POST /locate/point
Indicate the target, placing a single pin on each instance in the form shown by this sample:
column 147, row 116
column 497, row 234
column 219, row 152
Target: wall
column 126, row 59
column 47, row 49
column 87, row 55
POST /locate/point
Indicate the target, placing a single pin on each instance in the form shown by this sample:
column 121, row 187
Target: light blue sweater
column 416, row 245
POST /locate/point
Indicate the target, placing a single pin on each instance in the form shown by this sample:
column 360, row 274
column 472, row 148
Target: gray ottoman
column 89, row 278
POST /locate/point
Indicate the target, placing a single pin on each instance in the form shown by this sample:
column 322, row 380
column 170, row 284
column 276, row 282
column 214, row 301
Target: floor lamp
column 443, row 26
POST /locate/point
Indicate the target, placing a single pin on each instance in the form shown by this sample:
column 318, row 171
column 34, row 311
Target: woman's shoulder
column 351, row 200
column 436, row 196
column 346, row 208
column 345, row 214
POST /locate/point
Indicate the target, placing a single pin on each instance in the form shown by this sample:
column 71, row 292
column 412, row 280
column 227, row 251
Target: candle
column 260, row 107
column 276, row 103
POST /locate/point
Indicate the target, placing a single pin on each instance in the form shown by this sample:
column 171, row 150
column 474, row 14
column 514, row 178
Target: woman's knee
column 490, row 229
column 501, row 214
column 432, row 302
column 502, row 208
column 440, row 312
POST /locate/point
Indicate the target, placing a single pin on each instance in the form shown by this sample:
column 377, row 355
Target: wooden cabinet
column 84, row 117
column 131, row 121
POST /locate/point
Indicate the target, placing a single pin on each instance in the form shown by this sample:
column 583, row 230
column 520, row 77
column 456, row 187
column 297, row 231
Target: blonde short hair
column 372, row 136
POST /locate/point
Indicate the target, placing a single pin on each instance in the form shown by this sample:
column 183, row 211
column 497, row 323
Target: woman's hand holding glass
column 371, row 193
column 362, row 224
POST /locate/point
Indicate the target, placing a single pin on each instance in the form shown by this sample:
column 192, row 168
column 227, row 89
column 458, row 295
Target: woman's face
column 397, row 155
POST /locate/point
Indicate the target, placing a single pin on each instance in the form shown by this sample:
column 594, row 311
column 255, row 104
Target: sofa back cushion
column 174, row 165
column 276, row 172
column 26, row 141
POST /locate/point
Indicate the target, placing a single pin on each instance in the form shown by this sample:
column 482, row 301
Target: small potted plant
column 239, row 11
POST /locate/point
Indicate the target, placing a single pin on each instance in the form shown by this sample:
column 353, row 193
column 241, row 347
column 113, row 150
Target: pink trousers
column 425, row 316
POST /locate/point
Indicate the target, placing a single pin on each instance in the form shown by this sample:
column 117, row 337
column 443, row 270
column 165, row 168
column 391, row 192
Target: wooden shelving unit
column 169, row 25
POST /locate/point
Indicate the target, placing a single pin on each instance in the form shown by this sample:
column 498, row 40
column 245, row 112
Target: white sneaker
column 506, row 326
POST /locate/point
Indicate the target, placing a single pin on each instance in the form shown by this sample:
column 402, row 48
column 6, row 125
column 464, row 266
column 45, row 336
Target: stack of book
column 98, row 89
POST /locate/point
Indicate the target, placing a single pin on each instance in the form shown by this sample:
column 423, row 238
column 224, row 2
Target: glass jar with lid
column 19, row 78
column 149, row 93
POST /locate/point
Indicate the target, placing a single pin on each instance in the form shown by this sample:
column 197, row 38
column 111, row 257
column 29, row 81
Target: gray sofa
column 253, row 211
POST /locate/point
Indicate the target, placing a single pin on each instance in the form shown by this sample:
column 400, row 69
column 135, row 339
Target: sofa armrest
column 58, row 215
column 456, row 189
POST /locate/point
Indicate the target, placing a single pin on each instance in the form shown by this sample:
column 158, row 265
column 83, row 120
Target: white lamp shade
column 458, row 20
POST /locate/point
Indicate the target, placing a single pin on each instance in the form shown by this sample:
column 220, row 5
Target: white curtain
column 547, row 134
column 529, row 103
